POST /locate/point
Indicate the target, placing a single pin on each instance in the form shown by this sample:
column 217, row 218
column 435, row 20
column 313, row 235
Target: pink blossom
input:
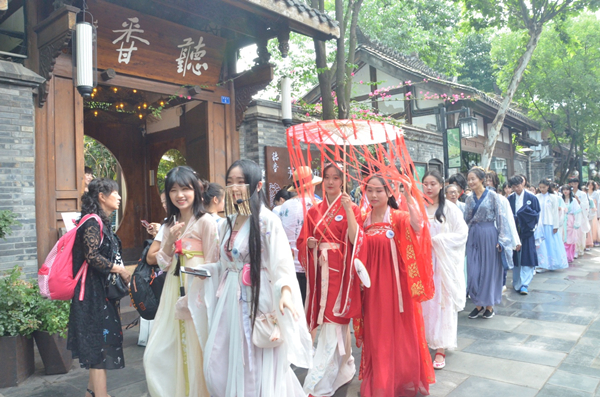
column 352, row 74
column 307, row 114
column 189, row 97
column 360, row 82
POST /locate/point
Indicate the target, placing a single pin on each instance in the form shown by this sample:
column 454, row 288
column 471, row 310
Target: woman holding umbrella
column 393, row 365
column 329, row 241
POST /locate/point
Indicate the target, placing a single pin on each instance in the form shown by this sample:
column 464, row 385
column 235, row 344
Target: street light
column 467, row 127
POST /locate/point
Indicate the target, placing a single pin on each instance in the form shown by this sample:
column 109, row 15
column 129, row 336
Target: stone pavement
column 546, row 344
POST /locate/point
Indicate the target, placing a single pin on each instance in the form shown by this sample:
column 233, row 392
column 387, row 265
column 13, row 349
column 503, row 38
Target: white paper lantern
column 84, row 58
column 286, row 101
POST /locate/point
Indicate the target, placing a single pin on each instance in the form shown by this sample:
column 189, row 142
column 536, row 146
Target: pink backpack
column 55, row 277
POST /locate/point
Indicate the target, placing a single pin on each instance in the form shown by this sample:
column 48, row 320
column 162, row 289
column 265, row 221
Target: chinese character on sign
column 275, row 158
column 290, row 172
column 190, row 58
column 131, row 26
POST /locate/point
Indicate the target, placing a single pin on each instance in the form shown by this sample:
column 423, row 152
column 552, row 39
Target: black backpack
column 146, row 286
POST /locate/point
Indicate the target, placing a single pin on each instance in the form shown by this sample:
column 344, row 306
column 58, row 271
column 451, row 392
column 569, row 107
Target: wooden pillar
column 59, row 160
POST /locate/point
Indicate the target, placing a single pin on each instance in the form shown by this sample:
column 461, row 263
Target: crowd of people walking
column 288, row 287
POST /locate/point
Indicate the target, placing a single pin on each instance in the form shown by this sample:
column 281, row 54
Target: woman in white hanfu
column 449, row 234
column 251, row 309
column 173, row 357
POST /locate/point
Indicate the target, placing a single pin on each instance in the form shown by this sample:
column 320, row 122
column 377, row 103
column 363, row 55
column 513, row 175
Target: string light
column 135, row 91
column 95, row 90
column 141, row 116
column 95, row 113
column 145, row 105
column 121, row 105
column 162, row 103
column 115, row 89
column 139, row 107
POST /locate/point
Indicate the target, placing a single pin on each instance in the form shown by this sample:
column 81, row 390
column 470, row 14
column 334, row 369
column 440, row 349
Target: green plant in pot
column 51, row 337
column 18, row 320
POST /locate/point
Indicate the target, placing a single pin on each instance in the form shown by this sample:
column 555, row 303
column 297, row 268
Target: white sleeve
column 161, row 232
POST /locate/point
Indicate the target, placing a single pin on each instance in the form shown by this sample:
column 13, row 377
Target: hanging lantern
column 84, row 55
column 286, row 101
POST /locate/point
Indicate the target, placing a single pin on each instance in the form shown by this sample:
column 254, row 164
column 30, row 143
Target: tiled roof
column 413, row 64
column 306, row 9
column 299, row 12
column 412, row 61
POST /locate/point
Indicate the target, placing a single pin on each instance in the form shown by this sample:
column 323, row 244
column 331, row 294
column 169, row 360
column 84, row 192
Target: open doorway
column 146, row 133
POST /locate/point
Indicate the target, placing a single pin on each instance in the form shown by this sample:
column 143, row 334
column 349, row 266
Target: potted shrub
column 17, row 322
column 51, row 337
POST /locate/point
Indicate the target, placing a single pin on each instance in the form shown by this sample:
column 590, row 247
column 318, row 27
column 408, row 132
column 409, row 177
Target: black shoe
column 475, row 313
column 489, row 313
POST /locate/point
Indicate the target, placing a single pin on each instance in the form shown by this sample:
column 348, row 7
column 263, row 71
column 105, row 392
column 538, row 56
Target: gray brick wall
column 261, row 127
column 17, row 178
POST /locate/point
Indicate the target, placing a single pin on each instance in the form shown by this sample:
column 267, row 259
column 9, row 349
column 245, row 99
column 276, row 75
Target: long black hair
column 90, row 202
column 570, row 189
column 252, row 176
column 211, row 190
column 439, row 213
column 548, row 183
column 391, row 199
column 183, row 176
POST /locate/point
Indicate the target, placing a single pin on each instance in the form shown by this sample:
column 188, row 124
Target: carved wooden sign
column 140, row 45
column 279, row 172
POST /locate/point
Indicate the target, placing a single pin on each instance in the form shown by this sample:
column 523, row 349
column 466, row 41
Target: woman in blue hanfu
column 550, row 250
column 489, row 239
column 250, row 310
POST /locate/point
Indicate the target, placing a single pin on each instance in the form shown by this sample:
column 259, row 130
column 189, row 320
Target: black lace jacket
column 85, row 338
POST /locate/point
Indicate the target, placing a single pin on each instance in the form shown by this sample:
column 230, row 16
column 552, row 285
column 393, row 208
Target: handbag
column 116, row 288
column 266, row 333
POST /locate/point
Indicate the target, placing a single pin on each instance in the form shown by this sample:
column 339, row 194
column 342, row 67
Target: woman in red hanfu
column 395, row 356
column 329, row 241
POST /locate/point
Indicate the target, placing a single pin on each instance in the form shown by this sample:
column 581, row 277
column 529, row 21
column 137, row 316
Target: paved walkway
column 546, row 344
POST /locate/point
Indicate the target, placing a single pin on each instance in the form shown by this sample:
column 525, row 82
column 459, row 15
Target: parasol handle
column 344, row 169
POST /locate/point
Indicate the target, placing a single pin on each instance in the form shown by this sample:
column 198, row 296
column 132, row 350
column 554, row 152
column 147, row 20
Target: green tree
column 475, row 61
column 518, row 15
column 96, row 156
column 171, row 159
column 426, row 28
column 561, row 86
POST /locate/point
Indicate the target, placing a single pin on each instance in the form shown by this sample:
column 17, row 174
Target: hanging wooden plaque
column 140, row 45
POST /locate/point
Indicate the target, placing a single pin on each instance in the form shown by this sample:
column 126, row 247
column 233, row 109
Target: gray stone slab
column 554, row 344
column 574, row 381
column 524, row 305
column 499, row 323
column 547, row 287
column 553, row 330
column 464, row 343
column 139, row 389
column 537, row 297
column 580, row 369
column 476, row 386
column 516, row 352
column 46, row 390
column 445, row 382
column 557, row 391
column 500, row 369
column 553, row 317
column 490, row 334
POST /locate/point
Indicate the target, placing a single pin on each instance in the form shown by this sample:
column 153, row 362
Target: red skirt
column 395, row 356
